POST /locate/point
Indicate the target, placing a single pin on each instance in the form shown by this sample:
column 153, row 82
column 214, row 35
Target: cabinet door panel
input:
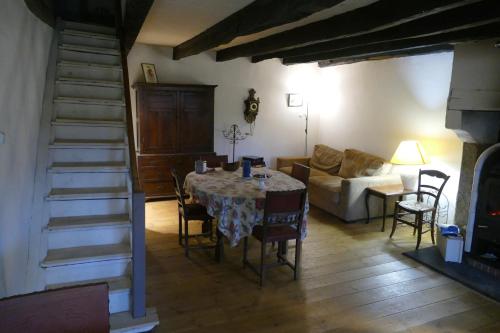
column 159, row 122
column 196, row 122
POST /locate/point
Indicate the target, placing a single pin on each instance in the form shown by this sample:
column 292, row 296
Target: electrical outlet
column 2, row 138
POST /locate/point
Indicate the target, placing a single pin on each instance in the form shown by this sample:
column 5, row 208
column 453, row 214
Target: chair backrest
column 214, row 161
column 301, row 172
column 435, row 188
column 284, row 207
column 178, row 187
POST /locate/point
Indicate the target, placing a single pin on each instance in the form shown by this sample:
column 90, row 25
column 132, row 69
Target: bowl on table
column 230, row 166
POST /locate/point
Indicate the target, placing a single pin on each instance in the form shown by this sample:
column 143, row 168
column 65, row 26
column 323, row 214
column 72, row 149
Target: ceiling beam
column 389, row 55
column 135, row 15
column 380, row 15
column 473, row 34
column 456, row 19
column 257, row 16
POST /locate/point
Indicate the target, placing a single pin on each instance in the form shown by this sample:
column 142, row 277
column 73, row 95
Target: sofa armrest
column 288, row 161
column 353, row 193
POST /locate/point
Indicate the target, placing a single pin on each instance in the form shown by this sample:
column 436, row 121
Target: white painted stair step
column 92, row 101
column 123, row 322
column 86, row 40
column 87, row 65
column 89, row 49
column 71, row 238
column 89, row 111
column 88, row 193
column 91, row 221
column 68, row 208
column 89, row 144
column 89, row 82
column 86, row 254
column 119, row 291
column 89, row 27
column 91, row 133
column 85, row 155
column 63, row 167
column 89, row 71
column 87, row 122
column 88, row 34
column 68, row 54
column 87, row 91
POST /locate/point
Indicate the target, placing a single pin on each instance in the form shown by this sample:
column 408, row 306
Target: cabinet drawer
column 154, row 189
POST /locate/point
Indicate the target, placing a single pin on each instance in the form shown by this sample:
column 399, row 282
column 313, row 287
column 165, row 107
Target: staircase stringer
column 39, row 214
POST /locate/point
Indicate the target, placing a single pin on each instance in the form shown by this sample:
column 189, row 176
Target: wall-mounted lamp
column 297, row 100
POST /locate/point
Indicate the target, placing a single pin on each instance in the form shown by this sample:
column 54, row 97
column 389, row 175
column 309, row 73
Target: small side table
column 384, row 192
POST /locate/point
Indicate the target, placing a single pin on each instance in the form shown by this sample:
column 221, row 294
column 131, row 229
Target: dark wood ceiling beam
column 466, row 17
column 380, row 15
column 478, row 33
column 388, row 55
column 135, row 15
column 257, row 16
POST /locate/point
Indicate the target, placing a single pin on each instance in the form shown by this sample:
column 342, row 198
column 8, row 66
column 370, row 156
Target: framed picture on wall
column 149, row 73
column 295, row 100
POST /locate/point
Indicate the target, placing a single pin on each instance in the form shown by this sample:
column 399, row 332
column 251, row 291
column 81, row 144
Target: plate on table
column 261, row 176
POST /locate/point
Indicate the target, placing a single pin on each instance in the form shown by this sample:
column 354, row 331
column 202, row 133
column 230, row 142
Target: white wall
column 25, row 43
column 278, row 130
column 372, row 106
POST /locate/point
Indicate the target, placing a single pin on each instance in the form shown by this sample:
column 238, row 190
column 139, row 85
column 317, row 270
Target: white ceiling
column 171, row 22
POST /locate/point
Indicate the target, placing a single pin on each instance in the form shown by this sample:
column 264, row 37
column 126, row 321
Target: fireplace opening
column 485, row 249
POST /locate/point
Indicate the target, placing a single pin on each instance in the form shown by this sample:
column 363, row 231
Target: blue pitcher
column 246, row 168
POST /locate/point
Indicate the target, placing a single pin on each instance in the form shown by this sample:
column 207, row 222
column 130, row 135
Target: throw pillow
column 358, row 164
column 326, row 159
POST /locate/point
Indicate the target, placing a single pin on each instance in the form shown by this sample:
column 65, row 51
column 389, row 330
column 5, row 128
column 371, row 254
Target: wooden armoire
column 175, row 127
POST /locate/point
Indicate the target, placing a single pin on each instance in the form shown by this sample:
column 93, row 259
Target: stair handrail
column 138, row 198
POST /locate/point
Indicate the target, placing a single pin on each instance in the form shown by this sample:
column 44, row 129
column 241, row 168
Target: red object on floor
column 73, row 309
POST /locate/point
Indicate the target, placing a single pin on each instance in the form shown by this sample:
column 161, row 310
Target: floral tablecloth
column 238, row 203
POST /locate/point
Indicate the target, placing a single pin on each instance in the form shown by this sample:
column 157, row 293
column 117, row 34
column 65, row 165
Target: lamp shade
column 409, row 153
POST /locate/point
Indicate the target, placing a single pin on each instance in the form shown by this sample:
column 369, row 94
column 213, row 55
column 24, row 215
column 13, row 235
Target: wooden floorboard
column 354, row 279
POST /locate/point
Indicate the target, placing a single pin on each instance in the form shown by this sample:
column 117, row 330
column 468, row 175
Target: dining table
column 236, row 202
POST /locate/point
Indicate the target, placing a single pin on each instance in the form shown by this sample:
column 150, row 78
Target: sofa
column 338, row 180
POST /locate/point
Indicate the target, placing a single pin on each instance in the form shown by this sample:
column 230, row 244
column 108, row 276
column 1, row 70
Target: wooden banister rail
column 138, row 198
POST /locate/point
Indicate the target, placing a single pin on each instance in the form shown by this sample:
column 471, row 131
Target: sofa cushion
column 358, row 164
column 326, row 187
column 326, row 159
column 313, row 173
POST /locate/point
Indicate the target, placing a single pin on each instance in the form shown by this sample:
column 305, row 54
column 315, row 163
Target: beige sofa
column 338, row 180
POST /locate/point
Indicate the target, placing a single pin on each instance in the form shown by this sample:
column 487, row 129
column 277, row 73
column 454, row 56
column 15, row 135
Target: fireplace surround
column 483, row 228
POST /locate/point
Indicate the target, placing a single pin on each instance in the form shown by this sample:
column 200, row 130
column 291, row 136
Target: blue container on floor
column 246, row 169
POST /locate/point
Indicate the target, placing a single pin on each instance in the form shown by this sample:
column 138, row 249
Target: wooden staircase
column 87, row 219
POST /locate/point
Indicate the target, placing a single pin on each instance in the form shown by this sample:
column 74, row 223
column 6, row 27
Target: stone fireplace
column 474, row 114
column 483, row 227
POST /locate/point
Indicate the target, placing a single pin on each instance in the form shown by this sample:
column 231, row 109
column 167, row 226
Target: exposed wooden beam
column 478, row 33
column 380, row 15
column 257, row 16
column 456, row 19
column 389, row 55
column 135, row 15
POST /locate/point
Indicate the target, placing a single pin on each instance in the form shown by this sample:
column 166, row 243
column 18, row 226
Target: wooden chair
column 301, row 172
column 190, row 212
column 420, row 209
column 214, row 161
column 283, row 217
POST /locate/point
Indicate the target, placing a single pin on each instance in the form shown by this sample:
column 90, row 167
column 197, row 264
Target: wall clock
column 251, row 107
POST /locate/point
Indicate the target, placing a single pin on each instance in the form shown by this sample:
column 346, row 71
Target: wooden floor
column 354, row 279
